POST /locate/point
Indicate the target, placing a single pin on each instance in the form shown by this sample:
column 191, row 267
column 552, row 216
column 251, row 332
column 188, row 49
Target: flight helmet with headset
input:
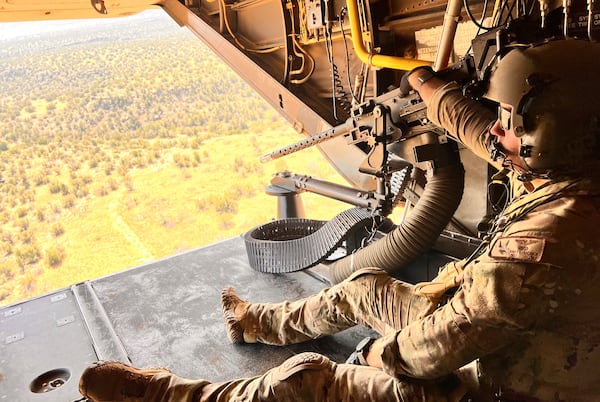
column 553, row 89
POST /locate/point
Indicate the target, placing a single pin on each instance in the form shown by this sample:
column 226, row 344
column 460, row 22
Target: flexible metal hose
column 416, row 234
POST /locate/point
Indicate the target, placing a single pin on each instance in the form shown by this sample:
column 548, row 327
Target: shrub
column 8, row 270
column 41, row 179
column 113, row 184
column 28, row 282
column 101, row 191
column 5, row 249
column 58, row 229
column 23, row 224
column 55, row 256
column 27, row 255
column 69, row 202
column 56, row 187
column 82, row 191
column 7, row 237
column 4, row 293
column 25, row 237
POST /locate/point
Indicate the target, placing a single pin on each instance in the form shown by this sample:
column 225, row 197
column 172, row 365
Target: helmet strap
column 496, row 151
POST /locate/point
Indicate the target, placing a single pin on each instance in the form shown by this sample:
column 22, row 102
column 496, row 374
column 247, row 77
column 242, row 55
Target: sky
column 18, row 30
column 13, row 30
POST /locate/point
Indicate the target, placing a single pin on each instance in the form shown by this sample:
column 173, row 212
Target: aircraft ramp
column 163, row 314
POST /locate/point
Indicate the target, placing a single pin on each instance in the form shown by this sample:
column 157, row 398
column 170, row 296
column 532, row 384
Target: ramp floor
column 163, row 314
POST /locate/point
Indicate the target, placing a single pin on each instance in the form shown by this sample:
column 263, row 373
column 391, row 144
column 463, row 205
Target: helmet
column 554, row 91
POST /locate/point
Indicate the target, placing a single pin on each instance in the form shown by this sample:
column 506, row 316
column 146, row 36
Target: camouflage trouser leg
column 312, row 377
column 369, row 297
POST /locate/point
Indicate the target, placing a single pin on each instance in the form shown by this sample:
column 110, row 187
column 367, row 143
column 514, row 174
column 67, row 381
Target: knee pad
column 302, row 362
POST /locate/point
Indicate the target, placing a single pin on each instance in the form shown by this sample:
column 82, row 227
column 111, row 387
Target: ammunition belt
column 294, row 244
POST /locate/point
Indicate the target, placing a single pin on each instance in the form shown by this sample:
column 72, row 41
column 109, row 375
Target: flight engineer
column 518, row 321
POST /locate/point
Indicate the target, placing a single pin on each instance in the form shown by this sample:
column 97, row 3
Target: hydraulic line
column 374, row 59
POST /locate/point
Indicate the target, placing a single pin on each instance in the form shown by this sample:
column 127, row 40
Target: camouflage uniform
column 526, row 310
column 313, row 377
column 527, row 307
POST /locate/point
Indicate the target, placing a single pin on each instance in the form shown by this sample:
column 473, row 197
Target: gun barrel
column 310, row 141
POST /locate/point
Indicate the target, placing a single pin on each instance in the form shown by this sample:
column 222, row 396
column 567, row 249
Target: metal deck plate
column 169, row 314
column 163, row 314
column 43, row 335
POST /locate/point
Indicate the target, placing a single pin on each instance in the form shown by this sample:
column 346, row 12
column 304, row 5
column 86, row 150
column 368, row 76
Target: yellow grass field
column 165, row 209
column 121, row 144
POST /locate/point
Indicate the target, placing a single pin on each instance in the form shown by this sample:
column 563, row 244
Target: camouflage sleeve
column 490, row 311
column 466, row 120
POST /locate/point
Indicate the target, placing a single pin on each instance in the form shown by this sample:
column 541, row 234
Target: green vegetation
column 118, row 151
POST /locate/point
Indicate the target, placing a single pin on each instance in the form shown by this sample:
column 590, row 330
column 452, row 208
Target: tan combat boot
column 117, row 382
column 234, row 312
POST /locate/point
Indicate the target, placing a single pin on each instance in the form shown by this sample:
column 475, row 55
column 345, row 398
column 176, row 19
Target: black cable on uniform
column 504, row 195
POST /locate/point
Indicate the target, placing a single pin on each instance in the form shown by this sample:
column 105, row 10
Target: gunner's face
column 504, row 134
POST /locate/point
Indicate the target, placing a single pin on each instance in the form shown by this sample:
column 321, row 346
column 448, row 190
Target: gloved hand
column 450, row 276
column 405, row 86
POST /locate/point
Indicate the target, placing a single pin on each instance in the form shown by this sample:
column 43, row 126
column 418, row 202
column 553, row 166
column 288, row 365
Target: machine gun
column 373, row 126
column 396, row 134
